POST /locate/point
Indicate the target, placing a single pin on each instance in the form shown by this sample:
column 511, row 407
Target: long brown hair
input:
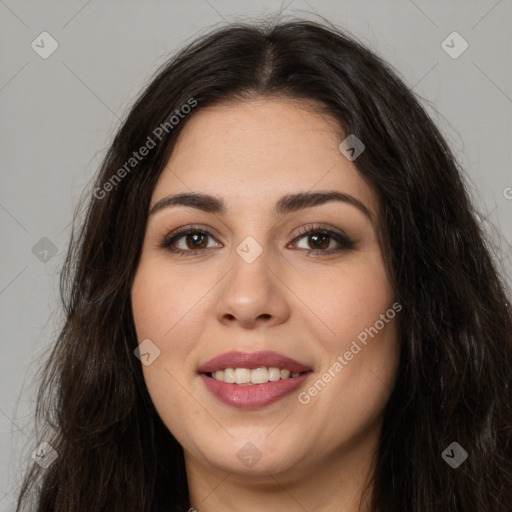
column 454, row 377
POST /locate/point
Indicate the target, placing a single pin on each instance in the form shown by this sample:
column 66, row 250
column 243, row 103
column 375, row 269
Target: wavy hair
column 454, row 374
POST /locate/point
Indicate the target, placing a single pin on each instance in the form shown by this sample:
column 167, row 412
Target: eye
column 320, row 240
column 192, row 239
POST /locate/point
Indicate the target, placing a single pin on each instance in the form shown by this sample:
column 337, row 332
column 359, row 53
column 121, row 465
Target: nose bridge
column 251, row 290
column 251, row 276
column 252, row 252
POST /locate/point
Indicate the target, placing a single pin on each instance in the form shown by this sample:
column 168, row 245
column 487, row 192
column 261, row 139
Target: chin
column 255, row 458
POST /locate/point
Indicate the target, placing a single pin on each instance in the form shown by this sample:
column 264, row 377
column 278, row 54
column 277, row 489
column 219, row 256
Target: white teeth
column 274, row 374
column 229, row 376
column 260, row 375
column 242, row 375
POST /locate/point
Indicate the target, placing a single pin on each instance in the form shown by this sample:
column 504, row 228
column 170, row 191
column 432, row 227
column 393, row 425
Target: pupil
column 194, row 238
column 317, row 237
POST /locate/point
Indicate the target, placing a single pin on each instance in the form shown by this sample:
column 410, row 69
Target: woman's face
column 249, row 295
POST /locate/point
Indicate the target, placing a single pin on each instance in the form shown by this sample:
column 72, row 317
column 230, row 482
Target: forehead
column 253, row 152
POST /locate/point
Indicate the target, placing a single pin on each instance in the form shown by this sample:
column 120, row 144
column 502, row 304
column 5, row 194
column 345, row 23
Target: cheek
column 356, row 324
column 157, row 305
column 366, row 379
column 359, row 368
column 168, row 308
column 162, row 299
column 164, row 312
column 347, row 300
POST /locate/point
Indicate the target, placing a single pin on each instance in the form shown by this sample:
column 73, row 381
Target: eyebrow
column 286, row 204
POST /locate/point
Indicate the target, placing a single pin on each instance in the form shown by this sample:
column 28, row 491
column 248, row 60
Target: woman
column 279, row 299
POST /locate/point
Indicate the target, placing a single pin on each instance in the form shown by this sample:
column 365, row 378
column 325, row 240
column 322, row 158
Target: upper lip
column 252, row 360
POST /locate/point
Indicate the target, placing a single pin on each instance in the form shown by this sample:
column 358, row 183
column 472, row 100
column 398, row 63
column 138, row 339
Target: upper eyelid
column 301, row 231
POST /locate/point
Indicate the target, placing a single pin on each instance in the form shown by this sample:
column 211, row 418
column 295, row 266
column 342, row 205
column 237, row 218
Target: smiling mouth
column 248, row 377
column 253, row 395
column 252, row 380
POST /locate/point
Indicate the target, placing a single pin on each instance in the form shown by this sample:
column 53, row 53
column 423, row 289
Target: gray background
column 59, row 114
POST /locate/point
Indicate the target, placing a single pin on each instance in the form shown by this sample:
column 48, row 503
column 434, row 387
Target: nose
column 253, row 294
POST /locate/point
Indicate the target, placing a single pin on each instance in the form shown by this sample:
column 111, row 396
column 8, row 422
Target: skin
column 310, row 307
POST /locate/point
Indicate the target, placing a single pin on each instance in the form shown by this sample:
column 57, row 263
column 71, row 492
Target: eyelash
column 344, row 241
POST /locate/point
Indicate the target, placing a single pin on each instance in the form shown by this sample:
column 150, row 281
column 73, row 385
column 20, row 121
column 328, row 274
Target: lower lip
column 255, row 395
